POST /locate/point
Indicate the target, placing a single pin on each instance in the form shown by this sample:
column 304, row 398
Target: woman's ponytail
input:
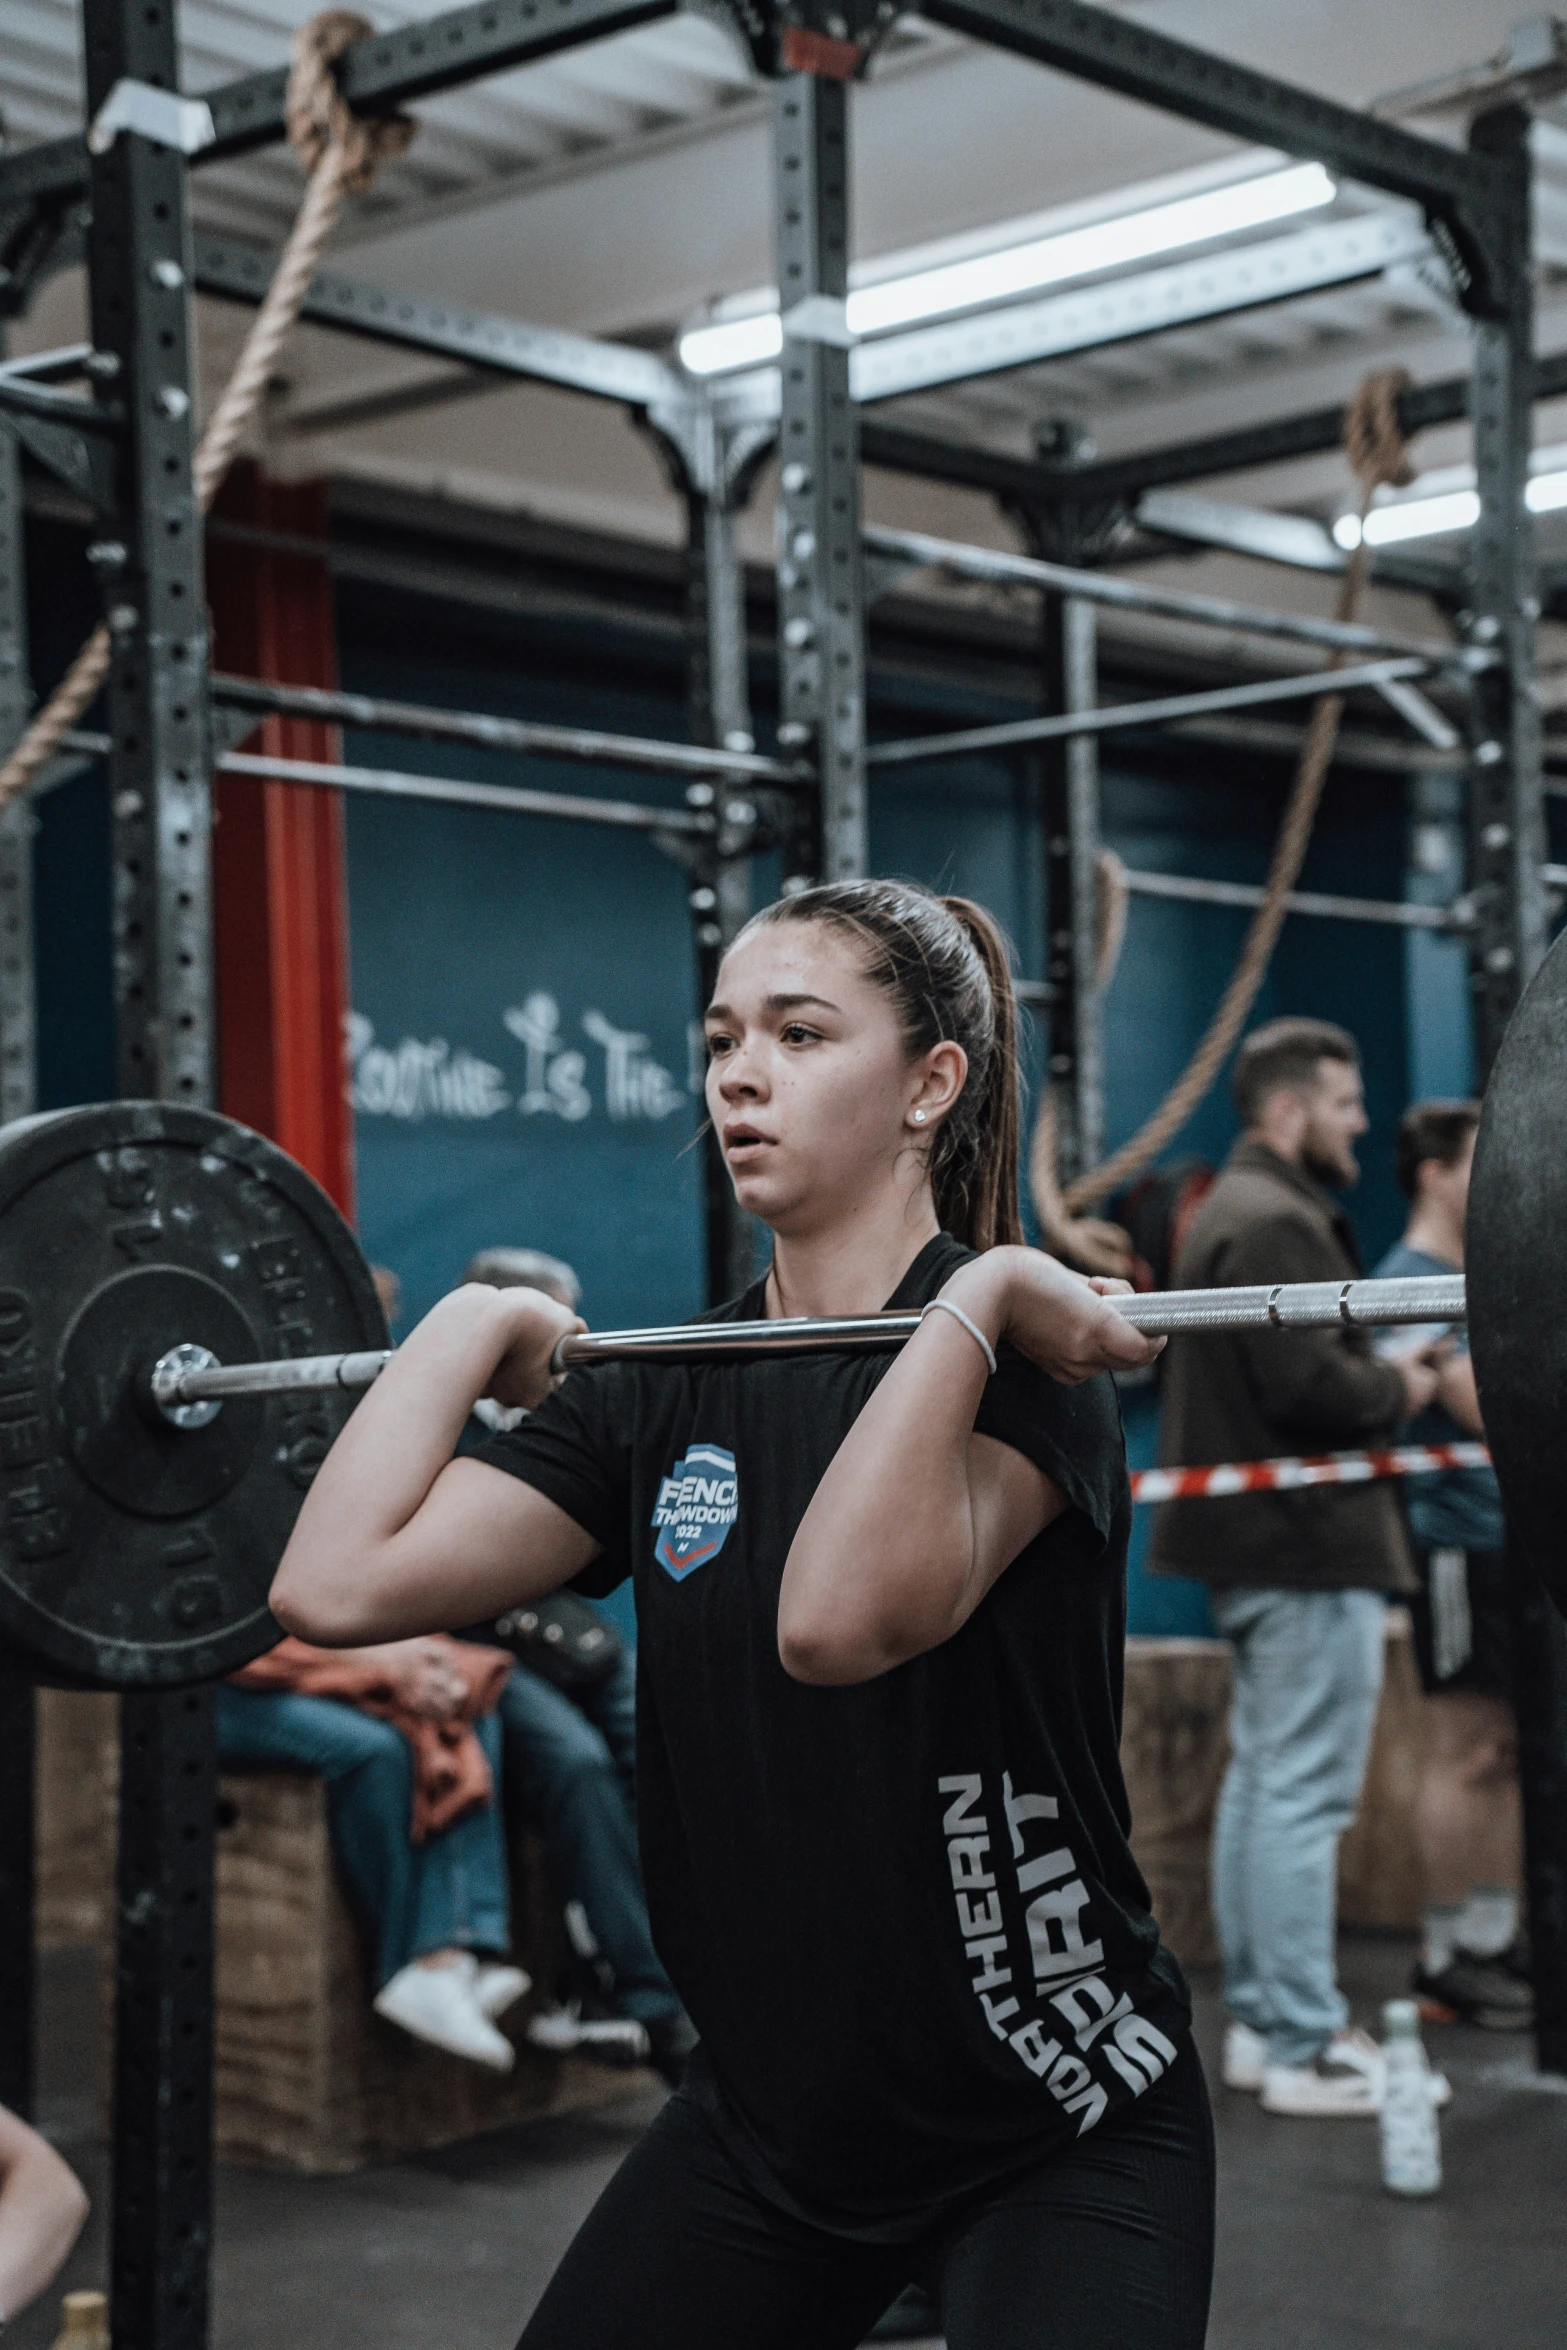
column 983, row 1208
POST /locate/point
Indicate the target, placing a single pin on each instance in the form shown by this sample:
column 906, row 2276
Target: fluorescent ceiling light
column 1422, row 518
column 1106, row 244
column 1546, row 493
column 1414, row 518
column 754, row 340
column 732, row 342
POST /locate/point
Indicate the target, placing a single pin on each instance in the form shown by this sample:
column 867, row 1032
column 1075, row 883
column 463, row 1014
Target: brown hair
column 1431, row 1130
column 1284, row 1056
column 944, row 963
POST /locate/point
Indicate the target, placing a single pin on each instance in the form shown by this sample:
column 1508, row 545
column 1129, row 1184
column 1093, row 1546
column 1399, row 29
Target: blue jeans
column 1308, row 1672
column 449, row 1893
column 575, row 1760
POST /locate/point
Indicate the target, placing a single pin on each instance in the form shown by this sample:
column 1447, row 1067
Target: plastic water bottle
column 1411, row 2141
column 84, row 2322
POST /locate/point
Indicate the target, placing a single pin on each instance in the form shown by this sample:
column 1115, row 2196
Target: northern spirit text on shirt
column 1055, row 2010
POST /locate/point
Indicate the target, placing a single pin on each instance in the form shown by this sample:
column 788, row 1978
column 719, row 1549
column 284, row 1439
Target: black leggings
column 1107, row 2245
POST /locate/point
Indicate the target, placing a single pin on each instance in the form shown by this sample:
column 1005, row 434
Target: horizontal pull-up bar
column 924, row 553
column 387, row 783
column 1404, row 913
column 1122, row 717
column 501, row 734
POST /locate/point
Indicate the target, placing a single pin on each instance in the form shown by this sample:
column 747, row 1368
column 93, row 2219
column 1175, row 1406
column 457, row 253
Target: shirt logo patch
column 698, row 1502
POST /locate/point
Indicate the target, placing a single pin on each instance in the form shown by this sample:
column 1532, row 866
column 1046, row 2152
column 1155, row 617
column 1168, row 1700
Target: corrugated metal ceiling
column 474, row 144
column 681, row 79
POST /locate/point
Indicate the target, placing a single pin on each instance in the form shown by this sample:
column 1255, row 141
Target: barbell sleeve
column 187, row 1377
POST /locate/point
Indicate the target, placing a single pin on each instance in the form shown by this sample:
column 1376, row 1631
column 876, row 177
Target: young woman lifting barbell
column 881, row 1616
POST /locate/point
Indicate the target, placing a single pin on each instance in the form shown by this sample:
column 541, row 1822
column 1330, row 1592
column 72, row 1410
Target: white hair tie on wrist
column 945, row 1305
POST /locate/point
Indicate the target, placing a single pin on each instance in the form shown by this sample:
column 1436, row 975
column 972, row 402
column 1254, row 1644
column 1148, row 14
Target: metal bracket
column 231, row 726
column 702, row 451
column 834, row 39
column 1065, row 529
column 84, row 461
column 36, row 238
column 820, row 318
column 162, row 116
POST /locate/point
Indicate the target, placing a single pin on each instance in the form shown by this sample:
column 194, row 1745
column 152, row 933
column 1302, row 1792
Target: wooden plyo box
column 1174, row 1746
column 308, row 2076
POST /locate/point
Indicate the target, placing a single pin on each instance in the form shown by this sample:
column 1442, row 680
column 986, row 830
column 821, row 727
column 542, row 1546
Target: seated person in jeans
column 574, row 1756
column 406, row 1737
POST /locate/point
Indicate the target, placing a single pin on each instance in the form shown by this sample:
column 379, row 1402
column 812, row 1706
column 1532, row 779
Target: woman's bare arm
column 1455, row 1387
column 42, row 2207
column 918, row 1516
column 396, row 1537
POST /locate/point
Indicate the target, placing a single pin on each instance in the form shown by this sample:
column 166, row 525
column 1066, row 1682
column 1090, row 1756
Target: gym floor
column 450, row 2251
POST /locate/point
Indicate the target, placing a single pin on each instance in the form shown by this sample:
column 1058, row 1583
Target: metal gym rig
column 127, row 446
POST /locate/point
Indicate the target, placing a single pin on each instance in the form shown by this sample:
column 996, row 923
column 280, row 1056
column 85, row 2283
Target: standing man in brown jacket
column 1297, row 1578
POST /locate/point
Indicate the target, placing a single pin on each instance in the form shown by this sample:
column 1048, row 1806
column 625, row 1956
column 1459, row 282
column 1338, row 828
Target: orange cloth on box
column 451, row 1773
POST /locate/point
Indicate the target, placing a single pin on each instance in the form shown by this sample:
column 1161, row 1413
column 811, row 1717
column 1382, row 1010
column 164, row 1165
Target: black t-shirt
column 904, row 1915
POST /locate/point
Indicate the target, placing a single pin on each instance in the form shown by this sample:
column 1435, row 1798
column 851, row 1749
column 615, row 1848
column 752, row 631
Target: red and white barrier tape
column 1321, row 1468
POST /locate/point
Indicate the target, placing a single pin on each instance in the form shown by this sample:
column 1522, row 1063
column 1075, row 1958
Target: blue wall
column 524, row 994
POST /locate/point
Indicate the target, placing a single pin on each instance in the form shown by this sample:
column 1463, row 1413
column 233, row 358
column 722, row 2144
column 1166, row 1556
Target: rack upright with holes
column 17, row 1707
column 135, row 448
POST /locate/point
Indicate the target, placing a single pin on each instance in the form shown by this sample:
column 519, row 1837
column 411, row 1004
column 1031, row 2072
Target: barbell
column 189, row 1384
column 185, row 1320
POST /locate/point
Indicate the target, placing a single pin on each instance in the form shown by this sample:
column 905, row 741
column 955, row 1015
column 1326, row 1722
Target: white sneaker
column 438, row 2004
column 1358, row 2049
column 1245, row 2057
column 613, row 2040
column 1345, row 2080
column 498, row 1987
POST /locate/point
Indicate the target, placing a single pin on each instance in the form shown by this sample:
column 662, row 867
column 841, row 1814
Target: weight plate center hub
column 134, row 1554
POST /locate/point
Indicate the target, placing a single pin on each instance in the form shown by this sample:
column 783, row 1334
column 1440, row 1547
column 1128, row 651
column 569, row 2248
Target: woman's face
column 810, row 1087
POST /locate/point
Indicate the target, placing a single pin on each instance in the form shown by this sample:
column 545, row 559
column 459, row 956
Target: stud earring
column 919, row 1117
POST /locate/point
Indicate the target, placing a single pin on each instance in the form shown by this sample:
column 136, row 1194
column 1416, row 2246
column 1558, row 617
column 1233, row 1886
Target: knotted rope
column 1378, row 452
column 341, row 154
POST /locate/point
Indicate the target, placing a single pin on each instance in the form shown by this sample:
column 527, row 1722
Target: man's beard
column 1337, row 1172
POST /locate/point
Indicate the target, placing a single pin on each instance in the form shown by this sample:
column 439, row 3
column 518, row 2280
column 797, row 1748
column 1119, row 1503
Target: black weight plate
column 134, row 1554
column 1515, row 1259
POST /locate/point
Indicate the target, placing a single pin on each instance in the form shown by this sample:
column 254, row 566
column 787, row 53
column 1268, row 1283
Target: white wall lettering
column 634, row 1085
column 418, row 1079
column 429, row 1078
column 553, row 1086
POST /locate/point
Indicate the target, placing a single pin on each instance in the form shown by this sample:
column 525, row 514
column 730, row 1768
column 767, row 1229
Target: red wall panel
column 278, row 861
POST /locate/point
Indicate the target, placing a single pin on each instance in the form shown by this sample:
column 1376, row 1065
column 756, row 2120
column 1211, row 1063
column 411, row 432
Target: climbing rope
column 1378, row 452
column 341, row 154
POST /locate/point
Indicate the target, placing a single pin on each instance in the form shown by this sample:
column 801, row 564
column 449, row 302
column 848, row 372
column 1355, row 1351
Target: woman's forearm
column 42, row 2207
column 887, row 1561
column 380, row 1471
